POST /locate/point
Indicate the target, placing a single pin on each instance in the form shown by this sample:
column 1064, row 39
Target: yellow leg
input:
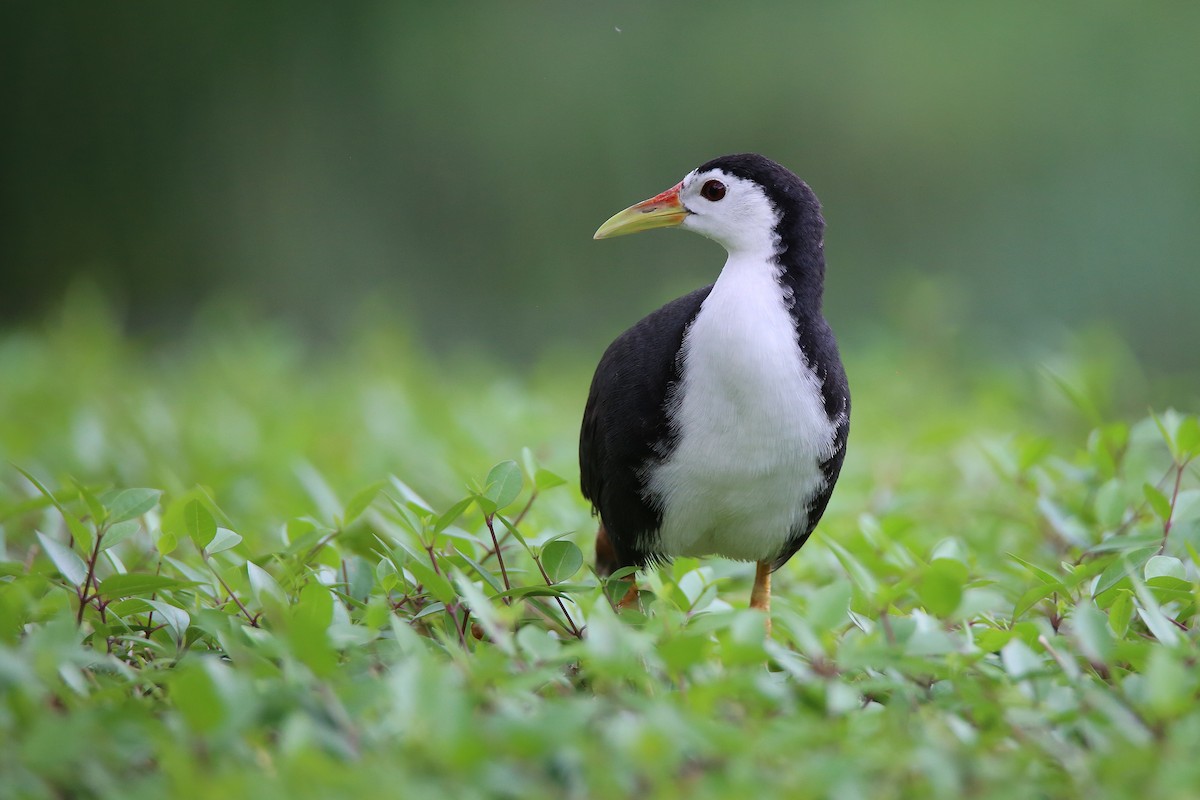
column 760, row 595
column 631, row 597
column 607, row 563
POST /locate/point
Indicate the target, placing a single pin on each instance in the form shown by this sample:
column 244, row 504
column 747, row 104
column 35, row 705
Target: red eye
column 712, row 190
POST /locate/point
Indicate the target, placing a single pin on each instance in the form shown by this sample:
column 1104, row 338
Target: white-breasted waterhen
column 717, row 425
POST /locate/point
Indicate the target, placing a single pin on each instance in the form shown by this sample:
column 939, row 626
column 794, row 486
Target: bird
column 717, row 425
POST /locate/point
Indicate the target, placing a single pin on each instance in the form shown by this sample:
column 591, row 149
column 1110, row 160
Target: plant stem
column 452, row 608
column 84, row 597
column 516, row 521
column 1169, row 521
column 252, row 619
column 574, row 628
column 499, row 556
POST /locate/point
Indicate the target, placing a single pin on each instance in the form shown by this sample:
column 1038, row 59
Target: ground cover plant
column 242, row 566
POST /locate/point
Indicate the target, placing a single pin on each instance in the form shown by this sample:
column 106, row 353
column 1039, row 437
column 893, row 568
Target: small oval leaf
column 199, row 523
column 223, row 539
column 561, row 559
column 119, row 533
column 176, row 619
column 503, row 484
column 1164, row 566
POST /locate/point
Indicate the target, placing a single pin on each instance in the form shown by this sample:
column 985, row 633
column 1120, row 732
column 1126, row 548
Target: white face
column 741, row 218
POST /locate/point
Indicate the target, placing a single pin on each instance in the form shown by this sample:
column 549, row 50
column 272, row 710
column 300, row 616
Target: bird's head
column 746, row 203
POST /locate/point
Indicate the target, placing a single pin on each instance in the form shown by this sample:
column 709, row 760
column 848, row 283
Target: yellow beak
column 661, row 211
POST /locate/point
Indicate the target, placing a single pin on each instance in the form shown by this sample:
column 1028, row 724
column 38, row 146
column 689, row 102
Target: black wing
column 625, row 425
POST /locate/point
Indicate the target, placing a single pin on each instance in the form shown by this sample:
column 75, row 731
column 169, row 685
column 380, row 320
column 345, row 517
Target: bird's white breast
column 750, row 423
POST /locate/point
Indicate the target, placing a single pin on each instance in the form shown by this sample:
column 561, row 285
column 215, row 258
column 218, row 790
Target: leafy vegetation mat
column 238, row 568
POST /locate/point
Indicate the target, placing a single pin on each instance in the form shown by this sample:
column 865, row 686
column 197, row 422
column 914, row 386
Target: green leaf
column 557, row 590
column 1187, row 506
column 308, row 629
column 263, row 585
column 377, row 613
column 1044, row 575
column 451, row 515
column 1033, row 450
column 1170, row 684
column 1122, row 567
column 1187, row 438
column 941, row 587
column 1168, row 589
column 828, row 606
column 172, row 520
column 360, row 502
column 386, row 575
column 622, row 573
column 434, row 583
column 1119, row 614
column 485, row 613
column 175, row 618
column 69, row 565
column 503, row 484
column 194, row 693
column 429, row 610
column 544, row 479
column 1091, row 631
column 483, row 572
column 131, row 584
column 1158, row 501
column 79, row 532
column 617, row 586
column 95, row 507
column 1127, row 544
column 1152, row 614
column 1034, row 595
column 1110, row 503
column 360, row 577
column 200, row 525
column 166, row 543
column 123, row 504
column 857, row 571
column 512, row 529
column 1168, row 566
column 992, row 639
column 1019, row 660
column 119, row 533
column 561, row 559
column 39, row 486
column 223, row 539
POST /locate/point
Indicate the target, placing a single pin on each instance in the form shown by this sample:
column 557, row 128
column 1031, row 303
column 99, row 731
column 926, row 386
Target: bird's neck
column 803, row 273
column 798, row 268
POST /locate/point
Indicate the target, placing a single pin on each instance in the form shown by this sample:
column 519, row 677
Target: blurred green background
column 998, row 172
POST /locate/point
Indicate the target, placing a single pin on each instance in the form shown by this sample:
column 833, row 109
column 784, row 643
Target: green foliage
column 325, row 591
